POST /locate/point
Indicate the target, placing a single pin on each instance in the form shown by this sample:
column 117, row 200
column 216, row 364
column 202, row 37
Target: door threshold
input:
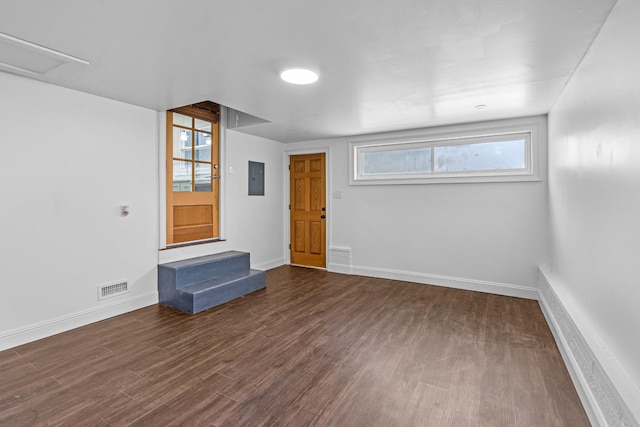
column 191, row 243
column 309, row 266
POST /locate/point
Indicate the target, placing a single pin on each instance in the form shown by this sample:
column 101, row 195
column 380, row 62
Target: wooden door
column 308, row 210
column 192, row 175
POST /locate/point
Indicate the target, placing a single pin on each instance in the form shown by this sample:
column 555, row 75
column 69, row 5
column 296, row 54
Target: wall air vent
column 113, row 289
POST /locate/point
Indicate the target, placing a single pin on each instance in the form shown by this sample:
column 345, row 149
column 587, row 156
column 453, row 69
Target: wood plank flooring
column 313, row 349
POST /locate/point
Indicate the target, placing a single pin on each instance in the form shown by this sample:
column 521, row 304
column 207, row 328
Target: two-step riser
column 207, row 268
column 196, row 284
column 235, row 289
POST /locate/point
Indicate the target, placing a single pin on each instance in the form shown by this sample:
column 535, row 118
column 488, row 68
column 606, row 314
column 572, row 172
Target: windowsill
column 194, row 243
column 450, row 180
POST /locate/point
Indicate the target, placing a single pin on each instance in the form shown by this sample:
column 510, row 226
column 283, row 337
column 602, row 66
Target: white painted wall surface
column 69, row 160
column 594, row 180
column 253, row 223
column 465, row 234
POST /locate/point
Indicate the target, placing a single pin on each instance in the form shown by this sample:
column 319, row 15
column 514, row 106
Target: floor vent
column 113, row 289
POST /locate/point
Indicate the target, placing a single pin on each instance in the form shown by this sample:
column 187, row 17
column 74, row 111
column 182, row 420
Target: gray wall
column 594, row 185
column 486, row 236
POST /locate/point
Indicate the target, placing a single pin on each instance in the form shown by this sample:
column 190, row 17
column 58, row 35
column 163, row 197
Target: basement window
column 474, row 155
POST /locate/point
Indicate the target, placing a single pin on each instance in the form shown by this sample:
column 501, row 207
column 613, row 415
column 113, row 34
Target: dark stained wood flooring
column 313, row 349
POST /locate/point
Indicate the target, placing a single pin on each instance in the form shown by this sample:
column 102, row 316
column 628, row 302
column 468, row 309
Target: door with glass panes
column 192, row 175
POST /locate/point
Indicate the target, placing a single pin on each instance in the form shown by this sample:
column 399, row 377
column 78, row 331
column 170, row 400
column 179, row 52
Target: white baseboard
column 598, row 391
column 269, row 264
column 450, row 282
column 55, row 326
column 339, row 268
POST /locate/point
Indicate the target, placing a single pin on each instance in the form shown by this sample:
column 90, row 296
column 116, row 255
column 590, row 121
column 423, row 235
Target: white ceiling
column 383, row 64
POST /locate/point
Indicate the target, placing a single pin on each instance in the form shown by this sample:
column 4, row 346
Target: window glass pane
column 203, row 146
column 182, row 143
column 179, row 119
column 203, row 125
column 203, row 177
column 182, row 175
column 397, row 161
column 501, row 155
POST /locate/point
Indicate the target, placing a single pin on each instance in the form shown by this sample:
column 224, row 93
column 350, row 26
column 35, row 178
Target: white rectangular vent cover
column 22, row 57
column 113, row 289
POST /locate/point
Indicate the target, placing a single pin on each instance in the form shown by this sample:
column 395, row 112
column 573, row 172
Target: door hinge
column 289, row 207
column 289, row 167
column 289, row 245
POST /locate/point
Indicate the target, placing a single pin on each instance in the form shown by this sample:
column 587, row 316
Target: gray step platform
column 196, row 284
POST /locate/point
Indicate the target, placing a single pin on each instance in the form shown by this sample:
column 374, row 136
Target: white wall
column 253, row 223
column 485, row 236
column 594, row 184
column 68, row 161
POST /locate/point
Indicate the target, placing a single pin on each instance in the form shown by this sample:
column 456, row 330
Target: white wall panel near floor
column 594, row 184
column 69, row 161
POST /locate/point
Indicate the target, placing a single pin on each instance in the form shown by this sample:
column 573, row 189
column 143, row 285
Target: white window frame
column 529, row 129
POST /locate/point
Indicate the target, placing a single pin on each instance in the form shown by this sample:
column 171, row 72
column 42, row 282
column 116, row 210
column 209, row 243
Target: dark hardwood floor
column 313, row 349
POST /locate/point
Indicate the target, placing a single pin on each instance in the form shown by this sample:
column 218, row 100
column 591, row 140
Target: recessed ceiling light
column 299, row 76
column 480, row 107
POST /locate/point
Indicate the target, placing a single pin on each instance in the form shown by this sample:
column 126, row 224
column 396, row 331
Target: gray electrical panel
column 256, row 178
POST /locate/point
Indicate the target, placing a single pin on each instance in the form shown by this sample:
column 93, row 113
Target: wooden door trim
column 169, row 178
